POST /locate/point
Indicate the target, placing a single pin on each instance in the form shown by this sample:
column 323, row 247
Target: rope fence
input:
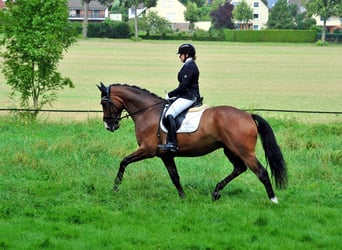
column 99, row 111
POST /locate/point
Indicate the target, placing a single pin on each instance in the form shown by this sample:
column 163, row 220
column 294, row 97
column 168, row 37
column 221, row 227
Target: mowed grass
column 245, row 75
column 56, row 174
column 56, row 193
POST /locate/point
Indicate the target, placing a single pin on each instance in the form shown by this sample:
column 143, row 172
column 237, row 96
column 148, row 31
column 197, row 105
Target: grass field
column 56, row 174
column 56, row 180
column 261, row 75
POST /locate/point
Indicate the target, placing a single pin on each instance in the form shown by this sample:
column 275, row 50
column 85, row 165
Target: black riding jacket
column 188, row 82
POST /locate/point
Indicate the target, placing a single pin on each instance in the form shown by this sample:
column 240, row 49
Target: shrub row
column 183, row 37
column 329, row 37
column 270, row 35
column 109, row 29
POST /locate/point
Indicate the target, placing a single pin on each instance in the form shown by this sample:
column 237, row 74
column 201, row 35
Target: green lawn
column 245, row 75
column 56, row 174
column 56, row 181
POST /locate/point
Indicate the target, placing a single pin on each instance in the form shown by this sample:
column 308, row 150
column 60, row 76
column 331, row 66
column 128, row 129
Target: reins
column 106, row 97
column 139, row 111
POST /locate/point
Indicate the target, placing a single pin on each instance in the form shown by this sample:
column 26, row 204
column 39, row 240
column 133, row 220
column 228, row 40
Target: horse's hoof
column 116, row 189
column 216, row 196
column 275, row 200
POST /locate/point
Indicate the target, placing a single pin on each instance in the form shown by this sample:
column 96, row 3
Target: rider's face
column 182, row 57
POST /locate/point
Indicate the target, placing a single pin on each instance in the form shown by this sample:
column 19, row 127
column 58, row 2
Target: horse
column 234, row 130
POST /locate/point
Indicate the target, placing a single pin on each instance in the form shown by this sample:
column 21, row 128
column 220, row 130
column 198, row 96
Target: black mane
column 137, row 88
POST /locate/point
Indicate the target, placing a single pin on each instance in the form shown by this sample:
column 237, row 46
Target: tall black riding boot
column 171, row 142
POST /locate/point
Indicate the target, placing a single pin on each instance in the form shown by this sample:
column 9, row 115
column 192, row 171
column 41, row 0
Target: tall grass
column 56, row 180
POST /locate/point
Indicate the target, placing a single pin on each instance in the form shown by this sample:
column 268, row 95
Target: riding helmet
column 187, row 48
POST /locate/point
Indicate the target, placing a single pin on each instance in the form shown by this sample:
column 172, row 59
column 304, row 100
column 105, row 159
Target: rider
column 186, row 94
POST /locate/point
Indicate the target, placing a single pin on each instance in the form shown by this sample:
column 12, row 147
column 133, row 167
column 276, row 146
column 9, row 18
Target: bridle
column 112, row 117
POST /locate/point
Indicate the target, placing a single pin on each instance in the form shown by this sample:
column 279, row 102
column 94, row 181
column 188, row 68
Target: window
column 256, row 16
column 322, row 19
column 256, row 4
column 255, row 27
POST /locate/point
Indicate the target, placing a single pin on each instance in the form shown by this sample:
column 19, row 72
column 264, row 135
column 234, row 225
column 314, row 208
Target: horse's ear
column 102, row 88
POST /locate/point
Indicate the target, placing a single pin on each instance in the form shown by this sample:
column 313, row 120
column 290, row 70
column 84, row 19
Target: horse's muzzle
column 111, row 127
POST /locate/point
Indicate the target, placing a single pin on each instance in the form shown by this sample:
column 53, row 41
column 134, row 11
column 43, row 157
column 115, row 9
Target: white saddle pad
column 190, row 123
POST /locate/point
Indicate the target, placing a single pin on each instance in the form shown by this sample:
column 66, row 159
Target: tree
column 157, row 24
column 243, row 12
column 324, row 9
column 191, row 14
column 280, row 16
column 134, row 5
column 222, row 16
column 85, row 14
column 35, row 35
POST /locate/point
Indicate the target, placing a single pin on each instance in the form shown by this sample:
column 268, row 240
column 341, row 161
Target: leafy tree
column 85, row 13
column 134, row 5
column 35, row 35
column 222, row 16
column 280, row 16
column 191, row 14
column 303, row 22
column 243, row 12
column 157, row 24
column 199, row 3
column 324, row 9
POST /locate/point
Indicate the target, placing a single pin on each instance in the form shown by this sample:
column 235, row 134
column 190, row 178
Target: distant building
column 2, row 3
column 173, row 11
column 332, row 24
column 260, row 14
column 96, row 12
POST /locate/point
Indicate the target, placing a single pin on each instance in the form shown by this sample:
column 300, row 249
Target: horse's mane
column 137, row 88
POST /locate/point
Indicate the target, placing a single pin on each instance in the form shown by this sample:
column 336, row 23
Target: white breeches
column 179, row 106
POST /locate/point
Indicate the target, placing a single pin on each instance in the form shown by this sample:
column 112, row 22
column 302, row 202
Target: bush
column 330, row 37
column 109, row 29
column 270, row 35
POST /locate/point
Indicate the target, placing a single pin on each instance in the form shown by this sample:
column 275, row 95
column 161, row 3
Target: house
column 332, row 23
column 2, row 3
column 173, row 11
column 260, row 14
column 140, row 10
column 96, row 12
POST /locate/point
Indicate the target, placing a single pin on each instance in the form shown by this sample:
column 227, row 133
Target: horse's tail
column 273, row 154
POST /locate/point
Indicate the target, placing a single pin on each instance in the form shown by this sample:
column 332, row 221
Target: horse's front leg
column 172, row 169
column 135, row 156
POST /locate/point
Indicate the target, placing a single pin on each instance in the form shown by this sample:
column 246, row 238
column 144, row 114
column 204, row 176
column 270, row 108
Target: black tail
column 272, row 152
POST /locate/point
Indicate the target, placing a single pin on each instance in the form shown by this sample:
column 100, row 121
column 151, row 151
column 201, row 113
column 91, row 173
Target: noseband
column 111, row 118
column 114, row 113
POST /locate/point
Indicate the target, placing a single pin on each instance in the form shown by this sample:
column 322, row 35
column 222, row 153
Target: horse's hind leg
column 239, row 168
column 262, row 174
column 172, row 169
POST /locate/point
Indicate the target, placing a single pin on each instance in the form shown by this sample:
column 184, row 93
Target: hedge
column 329, row 37
column 109, row 29
column 183, row 37
column 270, row 35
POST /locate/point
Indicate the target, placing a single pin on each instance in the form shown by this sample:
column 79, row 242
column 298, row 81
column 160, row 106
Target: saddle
column 188, row 120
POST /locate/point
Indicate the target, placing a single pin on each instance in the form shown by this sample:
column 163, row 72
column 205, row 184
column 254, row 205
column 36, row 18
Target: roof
column 93, row 5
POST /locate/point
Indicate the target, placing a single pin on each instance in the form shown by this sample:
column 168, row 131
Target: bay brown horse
column 226, row 127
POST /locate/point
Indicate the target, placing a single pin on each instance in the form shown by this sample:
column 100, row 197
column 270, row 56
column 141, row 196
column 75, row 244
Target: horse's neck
column 136, row 103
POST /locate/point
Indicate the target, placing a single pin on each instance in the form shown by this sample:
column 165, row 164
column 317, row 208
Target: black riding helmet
column 187, row 48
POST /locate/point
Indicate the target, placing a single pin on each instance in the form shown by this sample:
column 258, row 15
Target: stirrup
column 169, row 147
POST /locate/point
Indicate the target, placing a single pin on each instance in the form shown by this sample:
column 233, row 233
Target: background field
column 56, row 174
column 273, row 76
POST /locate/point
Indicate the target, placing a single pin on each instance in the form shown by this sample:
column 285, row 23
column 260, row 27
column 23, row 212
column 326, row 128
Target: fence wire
column 99, row 111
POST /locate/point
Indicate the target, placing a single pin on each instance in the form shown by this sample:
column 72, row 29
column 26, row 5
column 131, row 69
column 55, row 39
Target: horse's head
column 111, row 111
